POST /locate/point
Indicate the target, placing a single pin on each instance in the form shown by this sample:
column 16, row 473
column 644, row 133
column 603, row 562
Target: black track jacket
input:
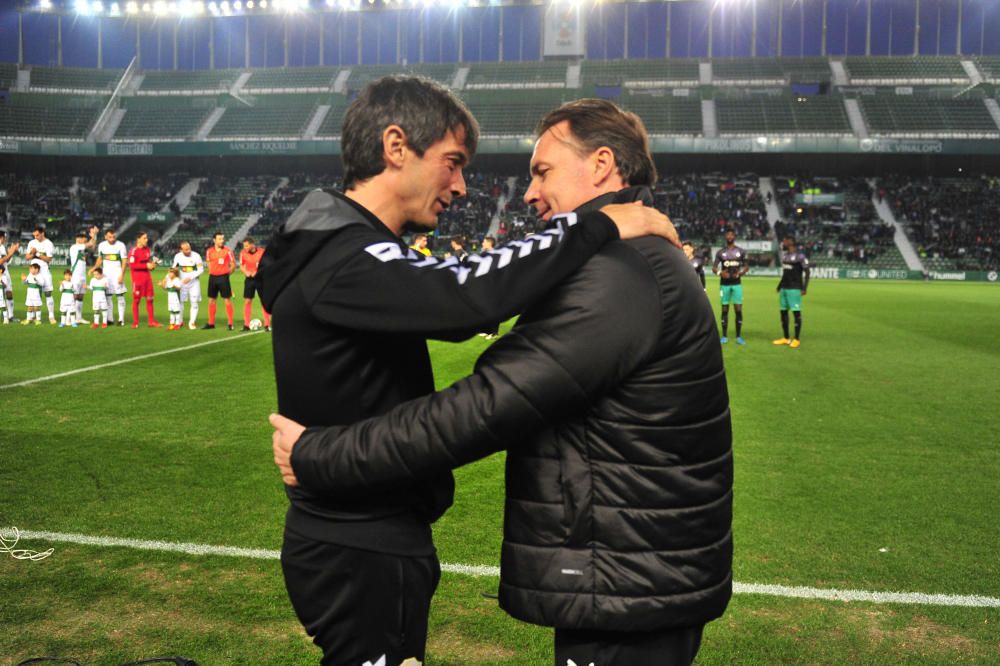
column 610, row 397
column 352, row 307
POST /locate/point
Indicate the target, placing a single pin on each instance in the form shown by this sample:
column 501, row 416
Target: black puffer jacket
column 611, row 398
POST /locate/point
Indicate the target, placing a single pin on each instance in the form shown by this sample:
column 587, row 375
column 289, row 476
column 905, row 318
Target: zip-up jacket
column 352, row 307
column 610, row 397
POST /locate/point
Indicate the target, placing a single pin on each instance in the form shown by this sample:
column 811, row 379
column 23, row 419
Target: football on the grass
column 255, row 324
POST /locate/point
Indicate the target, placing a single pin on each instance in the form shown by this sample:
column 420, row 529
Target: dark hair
column 109, row 230
column 249, row 240
column 730, row 230
column 40, row 227
column 425, row 110
column 3, row 233
column 687, row 243
column 218, row 233
column 98, row 269
column 597, row 123
column 490, row 239
column 81, row 233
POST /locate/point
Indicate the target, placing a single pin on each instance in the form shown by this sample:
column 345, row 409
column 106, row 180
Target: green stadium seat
column 75, row 79
column 640, row 73
column 891, row 70
column 923, row 116
column 527, row 75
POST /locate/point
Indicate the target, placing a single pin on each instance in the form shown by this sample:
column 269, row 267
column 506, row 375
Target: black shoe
column 230, row 327
column 245, row 328
column 267, row 328
column 121, row 322
column 207, row 327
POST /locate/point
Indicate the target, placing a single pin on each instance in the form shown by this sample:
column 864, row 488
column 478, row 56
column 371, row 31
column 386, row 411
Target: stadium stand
column 990, row 67
column 702, row 206
column 163, row 118
column 287, row 199
column 520, row 75
column 501, row 114
column 223, row 203
column 640, row 73
column 70, row 79
column 33, row 200
column 8, row 75
column 361, row 75
column 470, row 216
column 782, row 115
column 39, row 115
column 953, row 222
column 665, row 115
column 188, row 82
column 292, row 78
column 770, row 71
column 334, row 118
column 924, row 116
column 108, row 200
column 894, row 70
column 843, row 234
column 284, row 116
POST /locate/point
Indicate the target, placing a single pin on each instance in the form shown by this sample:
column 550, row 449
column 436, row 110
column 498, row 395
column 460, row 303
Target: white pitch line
column 905, row 598
column 119, row 362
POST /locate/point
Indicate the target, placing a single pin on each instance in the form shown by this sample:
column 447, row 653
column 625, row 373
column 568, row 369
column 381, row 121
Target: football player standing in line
column 734, row 263
column 791, row 289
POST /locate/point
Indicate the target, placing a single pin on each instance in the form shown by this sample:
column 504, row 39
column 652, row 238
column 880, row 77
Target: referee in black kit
column 350, row 343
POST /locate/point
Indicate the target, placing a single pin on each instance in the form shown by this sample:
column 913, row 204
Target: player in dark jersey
column 697, row 263
column 791, row 289
column 734, row 265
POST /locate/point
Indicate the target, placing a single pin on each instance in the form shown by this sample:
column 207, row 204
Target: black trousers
column 673, row 647
column 359, row 605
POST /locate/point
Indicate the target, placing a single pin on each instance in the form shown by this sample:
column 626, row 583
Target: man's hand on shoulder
column 286, row 434
column 634, row 220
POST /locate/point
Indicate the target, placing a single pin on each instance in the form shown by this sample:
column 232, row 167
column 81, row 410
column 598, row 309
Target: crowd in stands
column 845, row 227
column 35, row 200
column 956, row 219
column 470, row 217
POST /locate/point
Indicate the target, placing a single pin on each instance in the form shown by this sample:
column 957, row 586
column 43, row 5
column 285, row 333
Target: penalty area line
column 904, row 598
column 122, row 361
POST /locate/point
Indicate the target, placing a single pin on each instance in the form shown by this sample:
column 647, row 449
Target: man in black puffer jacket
column 610, row 397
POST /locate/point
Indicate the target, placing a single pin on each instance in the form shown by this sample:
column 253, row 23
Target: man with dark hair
column 734, row 263
column 610, row 397
column 221, row 264
column 791, row 289
column 420, row 244
column 40, row 251
column 350, row 343
column 111, row 254
column 140, row 263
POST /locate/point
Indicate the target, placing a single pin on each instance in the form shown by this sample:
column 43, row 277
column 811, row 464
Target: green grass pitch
column 865, row 460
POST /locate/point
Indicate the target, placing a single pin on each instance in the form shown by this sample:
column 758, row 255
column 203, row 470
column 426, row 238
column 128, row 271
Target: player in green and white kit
column 791, row 289
column 734, row 264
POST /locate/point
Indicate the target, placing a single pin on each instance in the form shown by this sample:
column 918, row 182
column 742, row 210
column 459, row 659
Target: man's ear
column 603, row 165
column 394, row 146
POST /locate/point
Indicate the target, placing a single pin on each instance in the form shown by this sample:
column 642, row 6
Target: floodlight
column 237, row 6
column 249, row 4
column 45, row 5
column 82, row 7
column 263, row 4
column 147, row 7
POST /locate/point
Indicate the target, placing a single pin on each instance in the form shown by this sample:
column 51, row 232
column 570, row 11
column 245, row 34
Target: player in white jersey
column 4, row 318
column 40, row 251
column 172, row 283
column 99, row 294
column 67, row 300
column 6, row 286
column 33, row 294
column 78, row 267
column 191, row 268
column 111, row 255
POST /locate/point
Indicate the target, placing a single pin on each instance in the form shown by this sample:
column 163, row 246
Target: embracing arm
column 555, row 361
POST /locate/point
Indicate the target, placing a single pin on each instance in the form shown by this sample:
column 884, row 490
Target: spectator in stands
column 420, row 244
column 583, row 402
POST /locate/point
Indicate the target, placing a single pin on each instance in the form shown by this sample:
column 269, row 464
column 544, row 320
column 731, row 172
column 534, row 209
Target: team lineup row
column 182, row 284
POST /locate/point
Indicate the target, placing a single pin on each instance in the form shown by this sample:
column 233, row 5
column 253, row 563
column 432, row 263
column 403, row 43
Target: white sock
column 79, row 310
column 194, row 311
column 10, row 308
column 121, row 308
column 51, row 305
